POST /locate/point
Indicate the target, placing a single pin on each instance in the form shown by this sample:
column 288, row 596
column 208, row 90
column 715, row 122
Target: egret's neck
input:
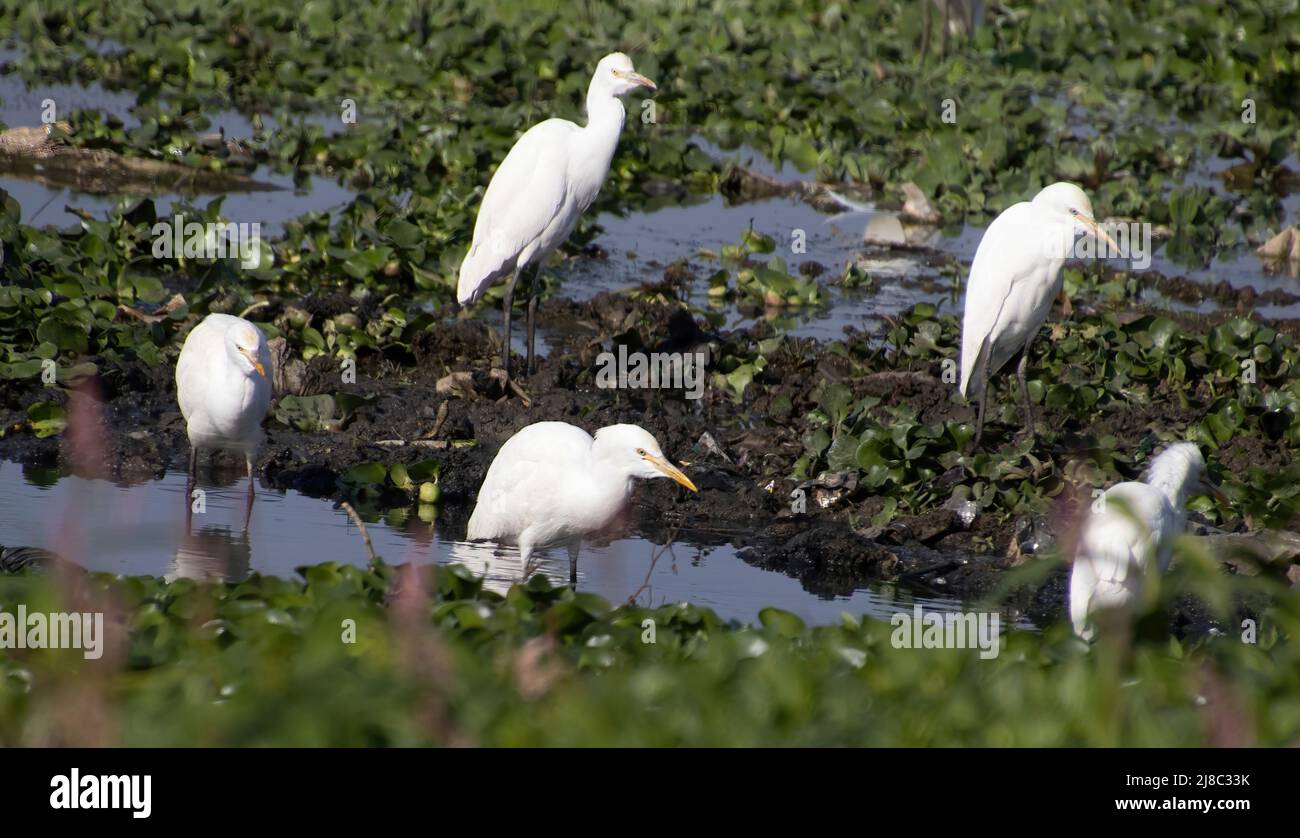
column 605, row 116
column 237, row 371
column 608, row 490
column 1171, row 479
column 611, row 476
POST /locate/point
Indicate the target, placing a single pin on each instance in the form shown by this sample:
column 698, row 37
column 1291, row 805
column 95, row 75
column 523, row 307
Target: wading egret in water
column 548, row 179
column 223, row 384
column 1014, row 279
column 553, row 483
column 1130, row 533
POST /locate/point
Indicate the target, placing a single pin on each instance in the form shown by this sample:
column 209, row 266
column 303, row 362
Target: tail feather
column 477, row 273
column 972, row 376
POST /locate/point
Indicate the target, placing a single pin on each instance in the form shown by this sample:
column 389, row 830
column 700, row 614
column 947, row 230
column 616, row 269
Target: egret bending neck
column 1170, row 479
column 611, row 488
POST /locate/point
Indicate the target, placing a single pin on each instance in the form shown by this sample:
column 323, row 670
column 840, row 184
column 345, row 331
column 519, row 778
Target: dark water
column 140, row 529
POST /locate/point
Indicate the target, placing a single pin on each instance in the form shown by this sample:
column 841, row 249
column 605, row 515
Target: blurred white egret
column 223, row 385
column 1014, row 278
column 1130, row 533
column 547, row 180
column 552, row 483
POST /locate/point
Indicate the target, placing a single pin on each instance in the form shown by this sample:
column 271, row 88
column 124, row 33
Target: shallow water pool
column 141, row 529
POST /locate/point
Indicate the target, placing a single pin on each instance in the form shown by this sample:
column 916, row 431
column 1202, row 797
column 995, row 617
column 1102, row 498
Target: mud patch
column 740, row 452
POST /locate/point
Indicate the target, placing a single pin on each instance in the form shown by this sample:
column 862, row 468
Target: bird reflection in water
column 221, row 477
column 502, row 565
column 212, row 554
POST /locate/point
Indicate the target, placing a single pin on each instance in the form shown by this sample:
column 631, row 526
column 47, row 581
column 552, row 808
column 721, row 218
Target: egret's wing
column 523, row 199
column 1008, row 255
column 201, row 362
column 195, row 368
column 528, row 472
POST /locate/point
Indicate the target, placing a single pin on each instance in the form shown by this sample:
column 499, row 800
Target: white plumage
column 1131, row 534
column 223, row 385
column 547, row 180
column 553, row 483
column 1014, row 278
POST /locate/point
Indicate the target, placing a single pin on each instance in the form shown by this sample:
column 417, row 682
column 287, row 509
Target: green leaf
column 781, row 622
column 365, row 474
column 46, row 419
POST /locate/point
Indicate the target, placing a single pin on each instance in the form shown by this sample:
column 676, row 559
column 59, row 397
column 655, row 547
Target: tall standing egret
column 547, row 180
column 1014, row 279
column 223, row 384
column 1131, row 532
column 553, row 483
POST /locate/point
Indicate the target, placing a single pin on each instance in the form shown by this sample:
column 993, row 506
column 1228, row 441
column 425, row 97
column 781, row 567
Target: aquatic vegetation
column 1233, row 381
column 409, row 106
column 766, row 283
column 440, row 105
column 372, row 483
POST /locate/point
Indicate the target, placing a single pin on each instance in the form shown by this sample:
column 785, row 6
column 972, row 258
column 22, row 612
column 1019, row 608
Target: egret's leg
column 1024, row 390
column 532, row 315
column 574, row 547
column 509, row 305
column 981, row 375
column 190, row 479
column 248, row 506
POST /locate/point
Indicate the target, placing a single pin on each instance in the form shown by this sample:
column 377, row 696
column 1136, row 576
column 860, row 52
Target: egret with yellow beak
column 547, row 180
column 223, row 385
column 1014, row 279
column 553, row 483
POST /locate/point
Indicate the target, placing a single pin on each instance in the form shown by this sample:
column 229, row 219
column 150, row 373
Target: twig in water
column 365, row 536
column 666, row 547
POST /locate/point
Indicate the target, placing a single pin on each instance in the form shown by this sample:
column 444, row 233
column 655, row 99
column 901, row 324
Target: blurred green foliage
column 439, row 660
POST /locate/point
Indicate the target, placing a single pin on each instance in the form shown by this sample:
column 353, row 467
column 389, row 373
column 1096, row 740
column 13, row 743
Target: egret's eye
column 1073, row 211
column 640, row 452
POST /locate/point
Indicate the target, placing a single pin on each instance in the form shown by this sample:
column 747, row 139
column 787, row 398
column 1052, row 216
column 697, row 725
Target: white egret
column 547, row 180
column 552, row 483
column 1130, row 533
column 223, row 385
column 1014, row 278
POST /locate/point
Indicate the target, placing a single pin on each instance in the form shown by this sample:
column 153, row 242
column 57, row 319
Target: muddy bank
column 438, row 399
column 41, row 154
